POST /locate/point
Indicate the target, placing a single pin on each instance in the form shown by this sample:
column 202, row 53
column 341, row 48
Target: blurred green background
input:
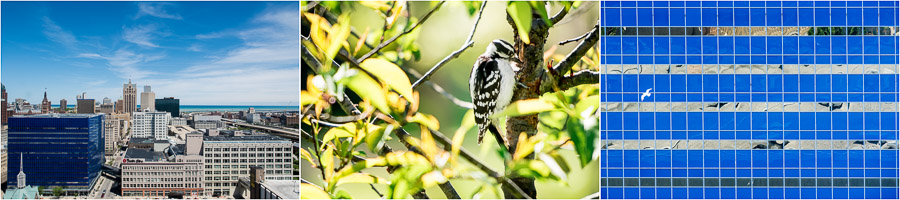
column 443, row 33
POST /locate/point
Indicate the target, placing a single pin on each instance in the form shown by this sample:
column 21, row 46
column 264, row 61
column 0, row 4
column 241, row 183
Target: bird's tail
column 498, row 137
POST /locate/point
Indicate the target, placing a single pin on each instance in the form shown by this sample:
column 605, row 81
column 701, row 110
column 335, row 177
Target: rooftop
column 145, row 154
column 286, row 189
column 56, row 115
column 244, row 138
column 29, row 192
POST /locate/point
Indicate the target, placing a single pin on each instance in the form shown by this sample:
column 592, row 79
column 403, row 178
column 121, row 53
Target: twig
column 566, row 64
column 578, row 78
column 456, row 53
column 574, row 39
column 389, row 41
column 439, row 89
column 376, row 190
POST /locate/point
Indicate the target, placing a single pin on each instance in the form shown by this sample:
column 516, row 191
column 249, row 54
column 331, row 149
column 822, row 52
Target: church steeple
column 20, row 183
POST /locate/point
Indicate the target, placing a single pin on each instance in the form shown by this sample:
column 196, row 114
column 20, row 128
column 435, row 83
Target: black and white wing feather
column 485, row 91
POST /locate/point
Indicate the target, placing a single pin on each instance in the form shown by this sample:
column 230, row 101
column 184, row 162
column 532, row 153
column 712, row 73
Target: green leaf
column 390, row 74
column 520, row 11
column 375, row 138
column 541, row 9
column 589, row 104
column 584, row 138
column 556, row 167
column 526, row 107
column 337, row 38
column 427, row 120
column 553, row 119
column 309, row 191
column 308, row 157
column 367, row 88
column 342, row 194
column 399, row 191
column 346, row 130
column 360, row 178
column 433, row 178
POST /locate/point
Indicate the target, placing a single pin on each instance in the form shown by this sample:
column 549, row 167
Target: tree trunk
column 531, row 75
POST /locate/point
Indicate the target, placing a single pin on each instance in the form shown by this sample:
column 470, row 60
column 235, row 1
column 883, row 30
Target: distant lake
column 204, row 108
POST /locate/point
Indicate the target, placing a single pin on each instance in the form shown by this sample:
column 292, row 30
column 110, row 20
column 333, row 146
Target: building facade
column 178, row 121
column 111, row 129
column 5, row 104
column 85, row 106
column 57, row 149
column 129, row 92
column 228, row 157
column 150, row 124
column 208, row 122
column 169, row 104
column 164, row 169
column 148, row 99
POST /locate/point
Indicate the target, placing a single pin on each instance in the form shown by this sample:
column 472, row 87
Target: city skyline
column 204, row 53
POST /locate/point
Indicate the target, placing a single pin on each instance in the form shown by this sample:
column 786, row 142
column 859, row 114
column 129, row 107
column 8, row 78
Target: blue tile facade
column 59, row 149
column 750, row 99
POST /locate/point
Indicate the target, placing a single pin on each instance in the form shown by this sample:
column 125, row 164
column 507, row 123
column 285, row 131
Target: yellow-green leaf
column 468, row 121
column 308, row 157
column 368, row 89
column 592, row 102
column 381, row 6
column 307, row 98
column 520, row 11
column 360, row 178
column 526, row 107
column 389, row 74
column 309, row 191
column 555, row 167
column 433, row 178
column 375, row 138
column 346, row 130
column 327, row 160
column 427, row 120
column 337, row 38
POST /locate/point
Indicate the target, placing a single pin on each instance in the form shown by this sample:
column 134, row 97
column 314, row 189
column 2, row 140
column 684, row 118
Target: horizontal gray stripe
column 749, row 182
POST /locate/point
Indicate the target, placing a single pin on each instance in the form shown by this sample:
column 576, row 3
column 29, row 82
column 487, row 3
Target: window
column 749, row 99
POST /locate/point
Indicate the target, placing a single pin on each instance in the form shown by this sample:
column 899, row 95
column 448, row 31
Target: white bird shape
column 646, row 94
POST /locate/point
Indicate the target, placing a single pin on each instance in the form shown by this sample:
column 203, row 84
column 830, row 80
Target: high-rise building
column 62, row 105
column 169, row 104
column 129, row 92
column 84, row 106
column 120, row 106
column 148, row 99
column 107, row 100
column 45, row 104
column 228, row 157
column 111, row 128
column 5, row 112
column 57, row 149
column 150, row 125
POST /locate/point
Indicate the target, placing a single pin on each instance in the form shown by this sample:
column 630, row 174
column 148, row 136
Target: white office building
column 150, row 124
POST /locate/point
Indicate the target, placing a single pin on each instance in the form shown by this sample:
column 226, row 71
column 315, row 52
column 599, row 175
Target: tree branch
column 574, row 39
column 389, row 41
column 439, row 89
column 578, row 78
column 448, row 145
column 559, row 16
column 456, row 53
column 566, row 64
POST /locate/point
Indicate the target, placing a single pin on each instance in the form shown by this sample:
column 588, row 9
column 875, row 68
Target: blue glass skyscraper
column 58, row 149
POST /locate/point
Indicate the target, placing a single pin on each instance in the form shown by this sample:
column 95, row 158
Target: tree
column 350, row 101
column 57, row 190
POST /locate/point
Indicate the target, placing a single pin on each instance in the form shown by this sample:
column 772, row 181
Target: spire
column 20, row 183
column 45, row 93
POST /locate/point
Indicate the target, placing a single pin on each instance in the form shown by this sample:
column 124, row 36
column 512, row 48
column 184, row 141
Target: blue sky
column 204, row 53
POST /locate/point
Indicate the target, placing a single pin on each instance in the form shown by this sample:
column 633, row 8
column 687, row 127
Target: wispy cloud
column 141, row 35
column 126, row 63
column 155, row 9
column 195, row 48
column 59, row 35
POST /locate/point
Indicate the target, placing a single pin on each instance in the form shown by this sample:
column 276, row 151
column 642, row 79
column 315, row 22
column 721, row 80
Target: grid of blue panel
column 645, row 42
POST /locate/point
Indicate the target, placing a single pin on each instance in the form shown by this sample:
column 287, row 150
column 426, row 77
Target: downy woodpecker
column 491, row 84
